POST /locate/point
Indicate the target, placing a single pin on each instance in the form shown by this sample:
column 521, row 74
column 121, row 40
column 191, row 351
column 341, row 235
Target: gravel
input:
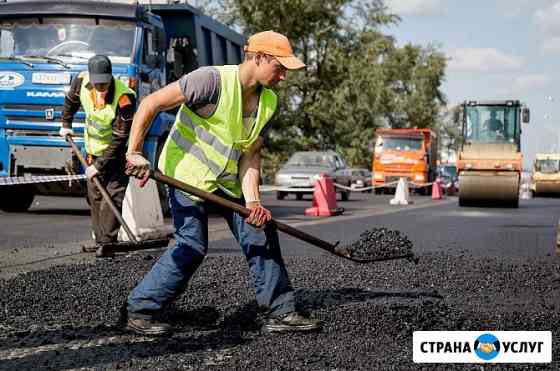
column 380, row 243
column 66, row 317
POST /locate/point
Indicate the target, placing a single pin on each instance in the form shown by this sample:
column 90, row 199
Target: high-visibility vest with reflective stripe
column 205, row 152
column 98, row 132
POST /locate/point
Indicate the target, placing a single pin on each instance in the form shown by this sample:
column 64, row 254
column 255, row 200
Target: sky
column 500, row 49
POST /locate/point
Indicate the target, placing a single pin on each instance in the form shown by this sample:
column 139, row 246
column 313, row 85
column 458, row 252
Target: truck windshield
column 547, row 166
column 491, row 124
column 75, row 38
column 311, row 159
column 400, row 143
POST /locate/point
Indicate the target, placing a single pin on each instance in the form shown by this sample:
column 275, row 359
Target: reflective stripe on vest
column 197, row 152
column 205, row 152
column 210, row 139
column 98, row 133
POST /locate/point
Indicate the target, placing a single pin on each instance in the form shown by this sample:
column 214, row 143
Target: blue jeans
column 169, row 276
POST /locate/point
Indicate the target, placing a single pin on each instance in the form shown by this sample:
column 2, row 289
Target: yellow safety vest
column 98, row 131
column 205, row 152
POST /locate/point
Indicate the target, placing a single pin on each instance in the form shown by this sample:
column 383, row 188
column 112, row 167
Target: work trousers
column 104, row 223
column 169, row 276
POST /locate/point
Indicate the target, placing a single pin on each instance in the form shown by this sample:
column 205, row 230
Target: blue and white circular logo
column 10, row 80
column 487, row 347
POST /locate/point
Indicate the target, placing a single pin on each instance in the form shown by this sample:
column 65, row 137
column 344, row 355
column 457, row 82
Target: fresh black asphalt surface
column 479, row 269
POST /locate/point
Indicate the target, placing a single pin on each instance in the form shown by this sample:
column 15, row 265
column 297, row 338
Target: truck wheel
column 16, row 200
column 378, row 191
column 299, row 196
column 280, row 195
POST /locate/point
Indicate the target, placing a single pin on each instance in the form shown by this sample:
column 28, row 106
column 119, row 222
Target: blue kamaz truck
column 45, row 44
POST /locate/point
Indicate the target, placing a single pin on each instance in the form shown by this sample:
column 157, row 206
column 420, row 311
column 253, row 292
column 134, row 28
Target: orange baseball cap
column 277, row 45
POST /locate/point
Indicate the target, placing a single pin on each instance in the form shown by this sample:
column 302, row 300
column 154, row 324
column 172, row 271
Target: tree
column 356, row 78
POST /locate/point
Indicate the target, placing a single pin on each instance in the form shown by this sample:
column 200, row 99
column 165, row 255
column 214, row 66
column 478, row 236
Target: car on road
column 299, row 174
column 361, row 178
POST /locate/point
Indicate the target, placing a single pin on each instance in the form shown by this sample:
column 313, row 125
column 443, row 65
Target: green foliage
column 357, row 79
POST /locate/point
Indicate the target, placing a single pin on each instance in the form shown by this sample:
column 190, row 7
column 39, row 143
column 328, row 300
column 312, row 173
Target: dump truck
column 404, row 153
column 545, row 177
column 45, row 44
column 490, row 160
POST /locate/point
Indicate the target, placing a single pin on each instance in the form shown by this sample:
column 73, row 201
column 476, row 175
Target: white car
column 299, row 174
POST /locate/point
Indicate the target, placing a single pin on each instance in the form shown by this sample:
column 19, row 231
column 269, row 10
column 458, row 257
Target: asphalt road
column 53, row 221
column 433, row 226
column 479, row 269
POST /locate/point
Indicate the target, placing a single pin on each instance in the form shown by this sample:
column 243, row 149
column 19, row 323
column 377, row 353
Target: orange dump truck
column 404, row 153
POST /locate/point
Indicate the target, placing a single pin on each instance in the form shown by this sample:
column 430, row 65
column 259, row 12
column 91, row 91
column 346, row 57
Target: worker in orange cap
column 215, row 146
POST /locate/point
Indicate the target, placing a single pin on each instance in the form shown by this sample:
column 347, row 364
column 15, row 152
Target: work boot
column 148, row 327
column 291, row 322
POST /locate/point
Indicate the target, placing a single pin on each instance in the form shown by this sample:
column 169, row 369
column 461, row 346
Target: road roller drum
column 489, row 189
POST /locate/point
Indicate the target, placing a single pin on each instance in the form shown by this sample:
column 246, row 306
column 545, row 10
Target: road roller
column 490, row 160
column 545, row 178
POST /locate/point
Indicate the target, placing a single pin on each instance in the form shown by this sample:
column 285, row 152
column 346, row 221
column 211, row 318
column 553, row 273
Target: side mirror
column 525, row 115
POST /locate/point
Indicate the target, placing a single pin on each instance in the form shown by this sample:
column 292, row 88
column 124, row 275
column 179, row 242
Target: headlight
column 419, row 177
column 378, row 176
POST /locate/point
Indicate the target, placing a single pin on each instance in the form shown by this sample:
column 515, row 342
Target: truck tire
column 16, row 200
column 299, row 196
column 280, row 195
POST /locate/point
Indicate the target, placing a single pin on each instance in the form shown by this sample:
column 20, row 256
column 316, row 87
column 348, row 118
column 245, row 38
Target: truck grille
column 15, row 114
column 389, row 179
column 397, row 167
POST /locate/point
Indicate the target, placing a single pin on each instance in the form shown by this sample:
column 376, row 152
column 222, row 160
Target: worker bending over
column 215, row 146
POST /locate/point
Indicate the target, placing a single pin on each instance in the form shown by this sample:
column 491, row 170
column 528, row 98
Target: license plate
column 51, row 78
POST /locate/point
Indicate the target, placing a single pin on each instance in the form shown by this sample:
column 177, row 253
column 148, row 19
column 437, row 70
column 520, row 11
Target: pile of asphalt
column 378, row 243
column 66, row 316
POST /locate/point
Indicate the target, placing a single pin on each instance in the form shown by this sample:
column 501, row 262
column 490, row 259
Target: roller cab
column 490, row 160
column 546, row 175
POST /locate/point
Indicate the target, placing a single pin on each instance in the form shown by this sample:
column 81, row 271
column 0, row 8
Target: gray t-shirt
column 201, row 89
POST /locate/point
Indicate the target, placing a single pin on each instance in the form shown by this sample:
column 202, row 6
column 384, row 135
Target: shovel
column 103, row 191
column 119, row 246
column 340, row 251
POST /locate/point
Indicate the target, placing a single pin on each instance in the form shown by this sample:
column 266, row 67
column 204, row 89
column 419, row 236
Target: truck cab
column 45, row 44
column 404, row 153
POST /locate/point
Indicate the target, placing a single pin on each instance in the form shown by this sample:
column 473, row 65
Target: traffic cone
column 525, row 192
column 324, row 199
column 402, row 196
column 436, row 190
column 141, row 210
